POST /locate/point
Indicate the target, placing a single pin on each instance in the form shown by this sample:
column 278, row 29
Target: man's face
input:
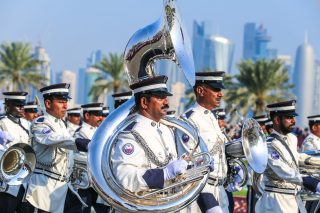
column 94, row 119
column 56, row 107
column 316, row 129
column 75, row 119
column 210, row 97
column 16, row 110
column 286, row 123
column 30, row 116
column 156, row 107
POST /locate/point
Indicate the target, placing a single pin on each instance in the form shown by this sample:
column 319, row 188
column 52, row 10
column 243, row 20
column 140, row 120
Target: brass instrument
column 17, row 163
column 79, row 176
column 252, row 146
column 164, row 39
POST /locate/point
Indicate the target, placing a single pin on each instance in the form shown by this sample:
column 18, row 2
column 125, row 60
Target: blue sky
column 71, row 30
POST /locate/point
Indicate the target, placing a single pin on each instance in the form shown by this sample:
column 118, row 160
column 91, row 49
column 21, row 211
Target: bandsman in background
column 262, row 119
column 120, row 98
column 282, row 178
column 14, row 130
column 312, row 142
column 31, row 111
column 220, row 115
column 92, row 118
column 73, row 119
column 208, row 92
column 105, row 112
column 269, row 126
column 49, row 185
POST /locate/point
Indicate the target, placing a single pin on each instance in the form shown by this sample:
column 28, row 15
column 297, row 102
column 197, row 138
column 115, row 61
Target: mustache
column 166, row 106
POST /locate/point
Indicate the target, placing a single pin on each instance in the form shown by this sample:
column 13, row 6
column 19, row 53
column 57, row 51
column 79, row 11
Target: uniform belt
column 288, row 191
column 51, row 174
column 215, row 182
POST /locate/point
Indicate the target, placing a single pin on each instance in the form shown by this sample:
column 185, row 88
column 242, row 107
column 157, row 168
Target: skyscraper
column 218, row 53
column 211, row 52
column 303, row 79
column 44, row 69
column 255, row 43
column 316, row 102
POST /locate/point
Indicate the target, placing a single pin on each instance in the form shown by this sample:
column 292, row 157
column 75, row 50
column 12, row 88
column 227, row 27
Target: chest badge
column 128, row 149
column 275, row 156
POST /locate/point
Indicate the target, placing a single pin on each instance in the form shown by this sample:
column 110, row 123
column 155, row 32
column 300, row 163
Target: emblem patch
column 185, row 138
column 128, row 149
column 275, row 156
column 46, row 130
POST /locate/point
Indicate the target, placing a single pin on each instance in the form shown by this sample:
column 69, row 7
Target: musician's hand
column 175, row 168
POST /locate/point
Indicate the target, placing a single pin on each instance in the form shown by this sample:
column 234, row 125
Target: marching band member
column 73, row 119
column 14, row 130
column 92, row 118
column 132, row 165
column 208, row 93
column 262, row 119
column 282, row 178
column 49, row 184
column 105, row 112
column 120, row 98
column 30, row 111
column 312, row 142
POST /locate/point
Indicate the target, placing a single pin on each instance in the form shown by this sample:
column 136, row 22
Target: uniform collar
column 88, row 125
column 145, row 120
column 283, row 137
column 202, row 109
column 72, row 124
column 13, row 119
column 52, row 118
column 314, row 136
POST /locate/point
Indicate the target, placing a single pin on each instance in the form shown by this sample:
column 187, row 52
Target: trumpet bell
column 252, row 145
column 17, row 163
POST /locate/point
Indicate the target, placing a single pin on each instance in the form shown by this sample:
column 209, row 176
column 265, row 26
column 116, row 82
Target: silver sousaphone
column 164, row 39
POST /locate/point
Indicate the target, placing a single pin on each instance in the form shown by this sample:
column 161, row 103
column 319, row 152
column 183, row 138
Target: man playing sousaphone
column 145, row 155
column 282, row 178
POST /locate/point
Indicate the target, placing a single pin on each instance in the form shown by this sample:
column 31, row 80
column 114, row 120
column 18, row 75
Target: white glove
column 233, row 187
column 175, row 168
column 5, row 137
column 318, row 188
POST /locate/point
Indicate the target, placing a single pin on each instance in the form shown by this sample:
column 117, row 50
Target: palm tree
column 258, row 83
column 113, row 66
column 18, row 67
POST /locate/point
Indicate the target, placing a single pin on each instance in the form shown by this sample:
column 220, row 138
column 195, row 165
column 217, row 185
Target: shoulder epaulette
column 39, row 120
column 130, row 126
column 189, row 113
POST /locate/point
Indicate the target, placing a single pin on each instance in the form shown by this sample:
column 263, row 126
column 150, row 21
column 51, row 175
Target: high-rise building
column 218, row 54
column 91, row 75
column 44, row 69
column 68, row 76
column 211, row 52
column 255, row 43
column 303, row 79
column 316, row 102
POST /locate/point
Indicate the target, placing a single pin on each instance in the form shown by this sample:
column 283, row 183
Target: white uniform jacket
column 212, row 135
column 282, row 178
column 312, row 142
column 72, row 127
column 20, row 131
column 144, row 145
column 53, row 145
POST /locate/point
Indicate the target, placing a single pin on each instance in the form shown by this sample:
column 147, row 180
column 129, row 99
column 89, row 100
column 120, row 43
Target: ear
column 313, row 127
column 144, row 103
column 277, row 120
column 200, row 90
column 47, row 104
column 86, row 115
